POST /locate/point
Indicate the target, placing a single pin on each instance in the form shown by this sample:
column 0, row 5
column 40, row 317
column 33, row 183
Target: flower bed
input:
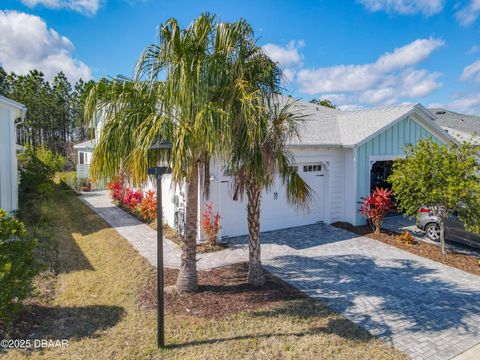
column 143, row 205
column 454, row 259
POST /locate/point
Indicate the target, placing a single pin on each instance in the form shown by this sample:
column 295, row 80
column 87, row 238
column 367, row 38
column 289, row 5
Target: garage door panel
column 275, row 212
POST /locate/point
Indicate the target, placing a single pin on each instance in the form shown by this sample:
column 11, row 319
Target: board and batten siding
column 390, row 142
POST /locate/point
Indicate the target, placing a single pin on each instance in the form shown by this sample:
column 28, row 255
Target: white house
column 342, row 155
column 12, row 113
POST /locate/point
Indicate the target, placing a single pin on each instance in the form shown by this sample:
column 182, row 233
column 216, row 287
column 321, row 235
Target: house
column 342, row 155
column 85, row 149
column 462, row 127
column 12, row 113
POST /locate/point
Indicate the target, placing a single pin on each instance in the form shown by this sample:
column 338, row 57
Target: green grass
column 95, row 305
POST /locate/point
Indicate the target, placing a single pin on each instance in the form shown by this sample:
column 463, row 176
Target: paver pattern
column 423, row 308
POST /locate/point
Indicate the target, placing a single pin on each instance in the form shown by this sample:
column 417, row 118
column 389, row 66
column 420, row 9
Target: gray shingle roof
column 460, row 126
column 89, row 144
column 331, row 127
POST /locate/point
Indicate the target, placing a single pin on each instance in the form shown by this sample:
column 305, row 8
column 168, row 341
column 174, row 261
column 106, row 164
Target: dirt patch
column 222, row 291
column 454, row 259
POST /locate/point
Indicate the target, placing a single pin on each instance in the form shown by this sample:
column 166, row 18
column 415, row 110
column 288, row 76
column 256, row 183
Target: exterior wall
column 8, row 161
column 173, row 198
column 275, row 211
column 83, row 169
column 388, row 145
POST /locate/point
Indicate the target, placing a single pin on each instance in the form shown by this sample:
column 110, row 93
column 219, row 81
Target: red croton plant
column 143, row 205
column 375, row 206
column 211, row 224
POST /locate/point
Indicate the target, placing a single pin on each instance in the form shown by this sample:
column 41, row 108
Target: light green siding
column 390, row 142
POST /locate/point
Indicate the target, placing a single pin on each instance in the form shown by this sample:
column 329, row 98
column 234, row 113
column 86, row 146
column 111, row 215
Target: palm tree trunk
column 256, row 276
column 187, row 277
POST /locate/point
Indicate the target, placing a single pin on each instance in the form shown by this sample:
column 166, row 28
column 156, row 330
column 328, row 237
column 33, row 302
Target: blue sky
column 359, row 53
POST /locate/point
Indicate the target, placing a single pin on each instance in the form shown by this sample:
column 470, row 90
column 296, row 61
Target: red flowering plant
column 131, row 199
column 375, row 206
column 116, row 189
column 148, row 206
column 211, row 224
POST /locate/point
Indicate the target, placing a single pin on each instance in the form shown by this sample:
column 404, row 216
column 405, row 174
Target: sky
column 357, row 53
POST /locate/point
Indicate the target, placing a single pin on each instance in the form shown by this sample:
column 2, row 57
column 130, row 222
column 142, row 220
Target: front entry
column 379, row 174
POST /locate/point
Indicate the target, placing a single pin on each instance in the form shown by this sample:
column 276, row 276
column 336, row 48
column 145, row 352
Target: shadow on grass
column 304, row 309
column 69, row 323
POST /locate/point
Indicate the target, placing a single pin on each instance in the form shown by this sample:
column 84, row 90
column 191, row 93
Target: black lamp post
column 158, row 171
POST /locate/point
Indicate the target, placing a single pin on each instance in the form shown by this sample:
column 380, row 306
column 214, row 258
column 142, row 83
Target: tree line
column 55, row 116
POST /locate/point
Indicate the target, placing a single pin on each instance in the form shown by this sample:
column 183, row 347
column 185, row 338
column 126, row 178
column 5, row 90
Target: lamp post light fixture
column 158, row 171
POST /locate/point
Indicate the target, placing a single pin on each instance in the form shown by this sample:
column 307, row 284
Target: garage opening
column 379, row 174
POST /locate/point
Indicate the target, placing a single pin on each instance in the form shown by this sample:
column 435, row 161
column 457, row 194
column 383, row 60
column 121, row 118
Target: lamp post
column 158, row 171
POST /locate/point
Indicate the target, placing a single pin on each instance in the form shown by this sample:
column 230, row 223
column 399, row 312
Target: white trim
column 13, row 104
column 375, row 158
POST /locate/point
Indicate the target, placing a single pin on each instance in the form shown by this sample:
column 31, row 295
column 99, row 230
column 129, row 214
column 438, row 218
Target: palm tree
column 172, row 97
column 262, row 121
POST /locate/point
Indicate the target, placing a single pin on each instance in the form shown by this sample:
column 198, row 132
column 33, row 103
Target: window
column 293, row 168
column 82, row 158
column 312, row 168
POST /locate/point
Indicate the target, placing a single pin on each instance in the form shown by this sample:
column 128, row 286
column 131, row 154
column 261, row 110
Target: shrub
column 17, row 267
column 148, row 206
column 37, row 168
column 71, row 180
column 376, row 206
column 211, row 224
column 408, row 238
column 116, row 190
column 53, row 161
column 131, row 199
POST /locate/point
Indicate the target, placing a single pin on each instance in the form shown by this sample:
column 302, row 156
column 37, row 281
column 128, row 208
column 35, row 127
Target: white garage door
column 275, row 213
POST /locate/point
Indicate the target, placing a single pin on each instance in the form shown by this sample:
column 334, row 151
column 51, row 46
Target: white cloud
column 467, row 14
column 286, row 56
column 467, row 104
column 389, row 79
column 405, row 7
column 87, row 7
column 27, row 43
column 471, row 71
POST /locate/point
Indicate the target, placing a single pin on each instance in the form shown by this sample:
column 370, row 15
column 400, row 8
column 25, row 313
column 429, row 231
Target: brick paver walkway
column 425, row 309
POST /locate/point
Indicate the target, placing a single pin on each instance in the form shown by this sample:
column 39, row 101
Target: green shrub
column 17, row 267
column 37, row 168
column 49, row 159
column 71, row 180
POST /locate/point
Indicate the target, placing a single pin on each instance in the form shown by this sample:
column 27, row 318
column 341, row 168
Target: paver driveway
column 425, row 309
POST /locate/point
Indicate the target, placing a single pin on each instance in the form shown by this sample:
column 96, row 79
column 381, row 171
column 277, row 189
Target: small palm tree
column 261, row 122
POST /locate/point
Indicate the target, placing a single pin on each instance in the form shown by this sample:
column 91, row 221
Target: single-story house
column 461, row 126
column 12, row 113
column 342, row 155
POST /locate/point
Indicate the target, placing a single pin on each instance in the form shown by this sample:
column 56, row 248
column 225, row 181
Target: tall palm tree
column 172, row 97
column 262, row 122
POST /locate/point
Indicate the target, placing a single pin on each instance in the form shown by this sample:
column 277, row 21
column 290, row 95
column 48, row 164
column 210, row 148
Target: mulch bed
column 172, row 234
column 222, row 291
column 454, row 259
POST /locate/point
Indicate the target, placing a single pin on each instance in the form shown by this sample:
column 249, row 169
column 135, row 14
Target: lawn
column 101, row 301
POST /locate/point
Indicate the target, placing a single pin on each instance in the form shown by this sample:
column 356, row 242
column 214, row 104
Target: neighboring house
column 85, row 149
column 462, row 127
column 12, row 113
column 340, row 154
